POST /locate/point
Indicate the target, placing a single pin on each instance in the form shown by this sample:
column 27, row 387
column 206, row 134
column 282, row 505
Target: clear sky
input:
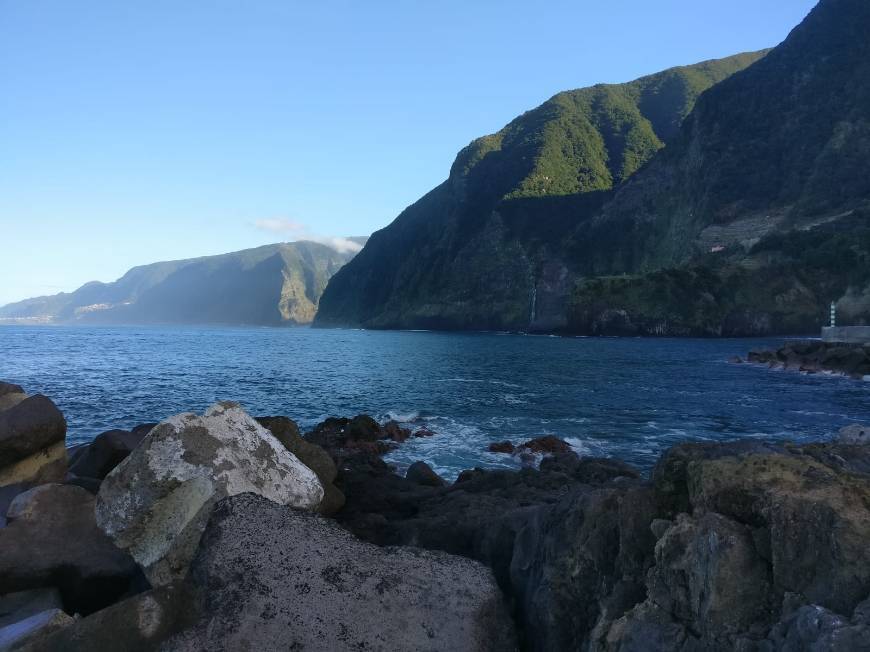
column 141, row 130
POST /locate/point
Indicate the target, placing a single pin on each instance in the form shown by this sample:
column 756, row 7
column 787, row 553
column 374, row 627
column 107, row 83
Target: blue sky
column 147, row 130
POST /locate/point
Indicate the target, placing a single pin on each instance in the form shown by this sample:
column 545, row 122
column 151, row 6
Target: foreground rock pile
column 211, row 532
column 851, row 360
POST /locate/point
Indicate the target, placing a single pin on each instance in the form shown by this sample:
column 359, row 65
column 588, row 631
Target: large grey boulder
column 156, row 503
column 32, row 438
column 274, row 578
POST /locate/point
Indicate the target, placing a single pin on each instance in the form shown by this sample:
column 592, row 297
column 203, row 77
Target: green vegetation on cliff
column 784, row 285
column 575, row 217
column 471, row 252
column 273, row 284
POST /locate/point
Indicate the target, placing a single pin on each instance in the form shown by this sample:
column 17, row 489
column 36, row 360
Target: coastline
column 578, row 550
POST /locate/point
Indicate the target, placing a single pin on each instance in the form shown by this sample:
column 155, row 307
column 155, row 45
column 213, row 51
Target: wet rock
column 52, row 541
column 396, row 432
column 156, row 502
column 422, row 473
column 32, row 433
column 546, row 444
column 501, row 447
column 360, row 437
column 333, row 592
column 423, row 431
column 813, row 357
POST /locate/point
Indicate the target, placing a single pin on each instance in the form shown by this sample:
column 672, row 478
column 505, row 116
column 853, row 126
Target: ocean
column 625, row 398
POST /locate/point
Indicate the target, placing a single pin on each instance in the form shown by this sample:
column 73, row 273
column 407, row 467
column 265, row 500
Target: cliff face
column 270, row 285
column 485, row 249
column 575, row 218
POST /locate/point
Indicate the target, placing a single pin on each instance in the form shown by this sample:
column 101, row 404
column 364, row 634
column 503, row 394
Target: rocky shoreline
column 224, row 532
column 852, row 360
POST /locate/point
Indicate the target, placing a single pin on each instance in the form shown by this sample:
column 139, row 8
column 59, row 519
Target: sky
column 146, row 130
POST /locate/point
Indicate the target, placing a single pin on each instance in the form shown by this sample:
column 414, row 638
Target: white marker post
column 833, row 314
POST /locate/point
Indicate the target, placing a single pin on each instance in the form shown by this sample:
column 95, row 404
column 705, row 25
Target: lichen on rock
column 156, row 503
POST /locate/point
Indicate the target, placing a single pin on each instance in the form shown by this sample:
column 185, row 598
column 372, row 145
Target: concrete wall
column 847, row 334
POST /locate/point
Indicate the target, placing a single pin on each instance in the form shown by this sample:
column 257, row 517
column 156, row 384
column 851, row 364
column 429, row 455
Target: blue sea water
column 628, row 398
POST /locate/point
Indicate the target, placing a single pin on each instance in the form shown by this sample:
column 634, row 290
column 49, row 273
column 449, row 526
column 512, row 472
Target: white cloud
column 299, row 231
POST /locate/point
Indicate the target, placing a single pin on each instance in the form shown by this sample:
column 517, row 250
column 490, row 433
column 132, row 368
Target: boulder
column 396, row 432
column 140, row 623
column 274, row 578
column 10, row 395
column 855, row 434
column 104, row 453
column 15, row 607
column 360, row 436
column 422, row 473
column 34, row 629
column 311, row 455
column 548, row 444
column 501, row 447
column 156, row 503
column 32, row 434
column 52, row 541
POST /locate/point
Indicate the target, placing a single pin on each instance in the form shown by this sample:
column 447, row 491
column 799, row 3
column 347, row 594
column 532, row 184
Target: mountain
column 467, row 255
column 751, row 220
column 270, row 285
column 762, row 201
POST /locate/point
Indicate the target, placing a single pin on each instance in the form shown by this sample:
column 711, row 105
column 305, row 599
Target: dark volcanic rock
column 546, row 444
column 52, row 540
column 501, row 447
column 138, row 624
column 103, row 454
column 28, row 427
column 767, row 548
column 360, row 436
column 422, row 473
column 535, row 529
column 299, row 581
column 812, row 357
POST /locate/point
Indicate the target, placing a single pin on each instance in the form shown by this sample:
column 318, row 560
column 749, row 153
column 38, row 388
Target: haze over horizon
column 135, row 134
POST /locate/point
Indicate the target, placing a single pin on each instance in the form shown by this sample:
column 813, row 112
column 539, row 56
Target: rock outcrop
column 156, row 503
column 851, row 360
column 272, row 578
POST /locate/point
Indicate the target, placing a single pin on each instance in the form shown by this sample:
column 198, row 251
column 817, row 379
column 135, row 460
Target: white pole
column 833, row 314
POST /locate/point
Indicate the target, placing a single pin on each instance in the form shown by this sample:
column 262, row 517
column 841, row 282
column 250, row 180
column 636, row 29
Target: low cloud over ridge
column 299, row 231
